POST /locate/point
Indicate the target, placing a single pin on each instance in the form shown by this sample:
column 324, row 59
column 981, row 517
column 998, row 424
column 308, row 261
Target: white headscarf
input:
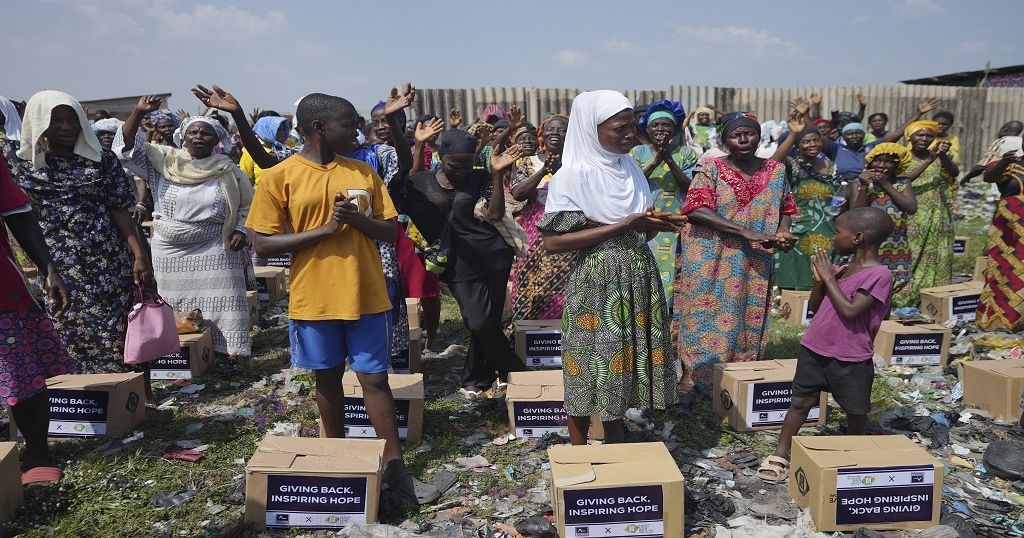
column 607, row 187
column 109, row 125
column 222, row 133
column 12, row 122
column 37, row 120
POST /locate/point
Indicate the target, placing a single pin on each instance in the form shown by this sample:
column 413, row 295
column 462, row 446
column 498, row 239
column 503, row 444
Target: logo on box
column 582, row 531
column 763, row 417
column 917, row 478
column 527, row 431
column 281, row 518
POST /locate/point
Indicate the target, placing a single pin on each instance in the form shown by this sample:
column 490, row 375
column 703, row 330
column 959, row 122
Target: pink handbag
column 152, row 332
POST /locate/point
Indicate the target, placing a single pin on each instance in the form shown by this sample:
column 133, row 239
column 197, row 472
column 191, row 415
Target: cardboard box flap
column 537, row 325
column 1006, row 367
column 856, row 443
column 305, row 454
column 602, row 454
column 535, row 392
column 534, row 384
column 758, row 370
column 751, row 366
column 88, row 381
column 575, row 473
column 536, row 377
column 193, row 337
column 403, row 386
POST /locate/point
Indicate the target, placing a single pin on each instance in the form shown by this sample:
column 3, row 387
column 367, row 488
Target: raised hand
column 553, row 163
column 182, row 115
column 148, row 103
column 862, row 99
column 815, row 98
column 397, row 101
column 941, row 148
column 427, row 130
column 801, row 106
column 484, row 135
column 501, row 161
column 454, row 118
column 217, row 98
column 822, row 266
column 255, row 115
column 928, row 105
column 516, row 119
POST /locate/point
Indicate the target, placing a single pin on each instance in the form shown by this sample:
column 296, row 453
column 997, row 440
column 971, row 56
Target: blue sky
column 271, row 53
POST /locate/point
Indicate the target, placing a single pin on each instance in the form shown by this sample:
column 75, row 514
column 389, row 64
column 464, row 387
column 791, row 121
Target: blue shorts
column 321, row 345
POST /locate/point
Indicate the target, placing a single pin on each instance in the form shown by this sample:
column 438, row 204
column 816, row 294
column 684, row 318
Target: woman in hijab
column 164, row 124
column 538, row 279
column 82, row 195
column 273, row 132
column 442, row 203
column 616, row 352
column 668, row 166
column 201, row 200
column 10, row 119
column 704, row 131
column 930, row 229
column 739, row 207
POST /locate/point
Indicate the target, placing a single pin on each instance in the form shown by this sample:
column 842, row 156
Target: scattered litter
column 170, row 499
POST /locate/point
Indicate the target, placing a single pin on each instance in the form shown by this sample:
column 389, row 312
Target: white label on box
column 537, row 418
column 538, row 432
column 69, row 428
column 917, row 349
column 964, row 307
column 767, row 404
column 174, row 366
column 357, row 420
column 872, row 495
column 77, row 413
column 543, row 348
column 806, row 314
column 619, row 512
column 315, row 502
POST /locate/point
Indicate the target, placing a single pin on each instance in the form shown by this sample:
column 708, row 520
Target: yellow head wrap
column 889, row 148
column 918, row 125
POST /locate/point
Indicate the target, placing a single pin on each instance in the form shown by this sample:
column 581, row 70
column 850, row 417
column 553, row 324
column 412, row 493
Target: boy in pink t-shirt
column 849, row 304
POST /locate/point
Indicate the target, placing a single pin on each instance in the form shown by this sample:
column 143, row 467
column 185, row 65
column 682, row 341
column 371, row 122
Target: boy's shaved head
column 875, row 224
column 320, row 107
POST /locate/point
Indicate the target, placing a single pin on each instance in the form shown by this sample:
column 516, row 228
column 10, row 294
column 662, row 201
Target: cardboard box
column 955, row 301
column 536, row 405
column 415, row 310
column 961, row 245
column 413, row 362
column 191, row 360
column 270, row 284
column 539, row 342
column 980, row 266
column 913, row 344
column 11, row 492
column 631, row 489
column 756, row 395
column 874, row 481
column 408, row 392
column 994, row 386
column 253, row 299
column 313, row 483
column 794, row 307
column 94, row 405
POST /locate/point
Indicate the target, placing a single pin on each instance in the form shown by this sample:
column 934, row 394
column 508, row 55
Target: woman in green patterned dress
column 930, row 230
column 813, row 182
column 616, row 352
column 668, row 166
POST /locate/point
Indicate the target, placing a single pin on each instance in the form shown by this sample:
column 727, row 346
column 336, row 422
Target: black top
column 1013, row 180
column 476, row 248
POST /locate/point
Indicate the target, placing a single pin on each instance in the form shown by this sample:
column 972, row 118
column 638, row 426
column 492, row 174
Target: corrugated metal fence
column 979, row 111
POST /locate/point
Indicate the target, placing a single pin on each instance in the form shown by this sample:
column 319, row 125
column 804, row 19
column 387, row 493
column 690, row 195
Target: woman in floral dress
column 813, row 182
column 82, row 195
column 616, row 352
column 539, row 278
column 668, row 166
column 739, row 209
column 930, row 229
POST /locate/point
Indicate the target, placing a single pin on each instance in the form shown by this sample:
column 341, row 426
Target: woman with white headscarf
column 616, row 351
column 201, row 200
column 82, row 196
column 10, row 119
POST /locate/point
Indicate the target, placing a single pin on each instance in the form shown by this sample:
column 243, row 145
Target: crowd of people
column 655, row 234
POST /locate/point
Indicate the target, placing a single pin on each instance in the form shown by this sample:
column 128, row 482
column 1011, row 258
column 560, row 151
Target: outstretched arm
column 922, row 108
column 146, row 104
column 395, row 103
column 220, row 99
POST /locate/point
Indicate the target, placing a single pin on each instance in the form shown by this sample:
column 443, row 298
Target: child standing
column 835, row 354
column 335, row 208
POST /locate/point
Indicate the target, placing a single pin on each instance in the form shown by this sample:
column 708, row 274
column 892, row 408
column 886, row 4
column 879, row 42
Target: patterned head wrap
column 898, row 151
column 931, row 125
column 160, row 115
column 734, row 120
column 222, row 133
column 540, row 128
column 493, row 111
column 380, row 106
column 672, row 110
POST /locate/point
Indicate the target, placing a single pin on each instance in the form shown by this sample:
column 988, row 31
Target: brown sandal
column 774, row 470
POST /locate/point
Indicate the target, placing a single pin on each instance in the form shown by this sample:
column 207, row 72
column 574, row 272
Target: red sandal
column 41, row 476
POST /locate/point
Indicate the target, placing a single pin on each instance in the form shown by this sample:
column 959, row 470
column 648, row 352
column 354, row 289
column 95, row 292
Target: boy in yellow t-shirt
column 335, row 208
